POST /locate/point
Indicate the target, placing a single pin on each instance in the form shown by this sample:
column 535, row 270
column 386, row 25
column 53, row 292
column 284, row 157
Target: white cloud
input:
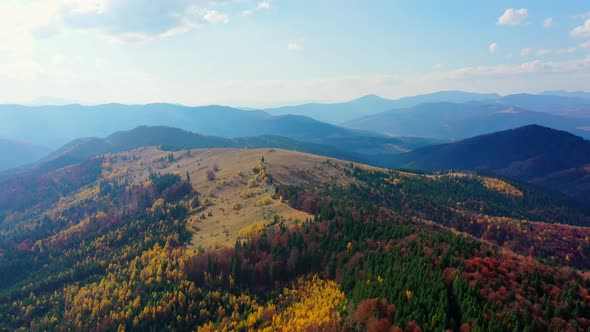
column 493, row 47
column 19, row 21
column 566, row 50
column 585, row 45
column 293, row 46
column 525, row 51
column 548, row 23
column 582, row 30
column 263, row 5
column 569, row 50
column 437, row 66
column 215, row 17
column 22, row 22
column 530, row 67
column 581, row 16
column 513, row 16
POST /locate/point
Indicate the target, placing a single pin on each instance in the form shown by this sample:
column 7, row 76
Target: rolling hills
column 174, row 139
column 60, row 125
column 338, row 113
column 557, row 102
column 575, row 94
column 560, row 103
column 457, row 121
column 342, row 144
column 536, row 154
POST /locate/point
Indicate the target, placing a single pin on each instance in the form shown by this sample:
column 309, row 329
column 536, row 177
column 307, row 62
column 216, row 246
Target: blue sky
column 267, row 53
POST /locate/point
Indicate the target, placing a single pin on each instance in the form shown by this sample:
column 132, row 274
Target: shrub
column 266, row 200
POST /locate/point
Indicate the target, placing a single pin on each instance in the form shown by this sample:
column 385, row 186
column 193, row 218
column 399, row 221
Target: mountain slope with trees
column 540, row 155
column 130, row 244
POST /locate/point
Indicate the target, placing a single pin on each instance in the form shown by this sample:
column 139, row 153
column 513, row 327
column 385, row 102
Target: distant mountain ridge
column 58, row 125
column 575, row 94
column 440, row 116
column 462, row 120
column 540, row 155
column 566, row 104
column 337, row 113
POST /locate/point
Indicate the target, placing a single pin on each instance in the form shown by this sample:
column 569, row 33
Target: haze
column 272, row 53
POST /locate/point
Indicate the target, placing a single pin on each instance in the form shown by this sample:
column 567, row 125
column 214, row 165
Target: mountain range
column 575, row 94
column 457, row 121
column 128, row 229
column 338, row 113
column 571, row 104
column 58, row 125
column 567, row 104
column 387, row 127
column 546, row 157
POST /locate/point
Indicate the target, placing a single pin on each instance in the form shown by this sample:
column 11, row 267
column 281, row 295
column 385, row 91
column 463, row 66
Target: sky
column 278, row 52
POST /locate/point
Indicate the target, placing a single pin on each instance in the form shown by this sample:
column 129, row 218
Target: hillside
column 355, row 147
column 457, row 121
column 338, row 113
column 229, row 239
column 540, row 155
column 14, row 154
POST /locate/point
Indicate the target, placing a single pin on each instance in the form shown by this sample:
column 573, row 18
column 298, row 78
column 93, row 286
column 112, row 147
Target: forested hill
column 264, row 239
column 541, row 155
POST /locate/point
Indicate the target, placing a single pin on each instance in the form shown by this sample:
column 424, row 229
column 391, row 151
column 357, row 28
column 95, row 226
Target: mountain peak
column 368, row 99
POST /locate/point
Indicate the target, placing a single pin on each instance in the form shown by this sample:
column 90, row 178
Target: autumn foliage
column 389, row 251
